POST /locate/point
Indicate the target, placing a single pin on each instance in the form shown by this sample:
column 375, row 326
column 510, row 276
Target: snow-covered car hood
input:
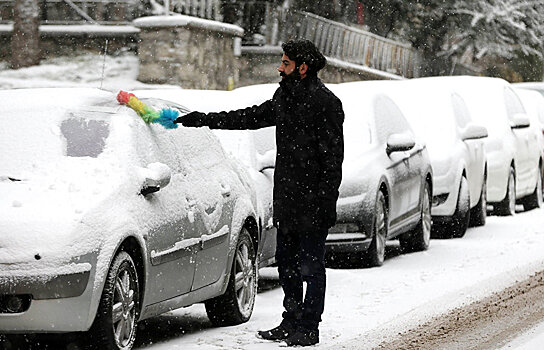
column 43, row 215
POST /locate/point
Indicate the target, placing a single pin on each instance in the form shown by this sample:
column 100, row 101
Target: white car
column 107, row 220
column 514, row 160
column 534, row 105
column 456, row 148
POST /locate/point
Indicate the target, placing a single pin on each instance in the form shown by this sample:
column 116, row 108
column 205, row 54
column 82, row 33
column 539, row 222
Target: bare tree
column 25, row 40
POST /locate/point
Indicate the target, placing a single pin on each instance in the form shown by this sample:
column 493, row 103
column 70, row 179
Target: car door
column 404, row 169
column 173, row 238
column 525, row 144
column 214, row 186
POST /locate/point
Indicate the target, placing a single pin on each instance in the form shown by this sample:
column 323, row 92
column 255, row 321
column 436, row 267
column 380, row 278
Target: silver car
column 107, row 220
column 386, row 187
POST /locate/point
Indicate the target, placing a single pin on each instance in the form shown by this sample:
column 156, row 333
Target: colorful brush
column 165, row 116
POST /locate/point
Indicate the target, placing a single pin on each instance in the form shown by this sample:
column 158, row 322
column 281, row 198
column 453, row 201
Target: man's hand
column 189, row 119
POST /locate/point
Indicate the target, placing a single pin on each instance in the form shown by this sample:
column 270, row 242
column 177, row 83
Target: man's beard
column 289, row 78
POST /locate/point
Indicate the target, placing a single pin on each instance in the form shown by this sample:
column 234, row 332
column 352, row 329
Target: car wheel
column 375, row 255
column 507, row 206
column 534, row 200
column 115, row 324
column 419, row 239
column 478, row 214
column 235, row 306
column 461, row 216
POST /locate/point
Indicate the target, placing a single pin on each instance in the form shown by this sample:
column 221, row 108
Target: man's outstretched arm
column 255, row 117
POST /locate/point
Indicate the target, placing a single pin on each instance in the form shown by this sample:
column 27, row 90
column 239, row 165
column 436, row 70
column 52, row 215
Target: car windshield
column 84, row 136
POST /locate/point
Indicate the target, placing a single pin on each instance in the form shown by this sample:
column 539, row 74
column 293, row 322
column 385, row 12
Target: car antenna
column 104, row 64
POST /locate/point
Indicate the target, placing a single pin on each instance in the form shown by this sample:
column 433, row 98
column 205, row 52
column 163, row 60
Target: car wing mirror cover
column 519, row 121
column 473, row 132
column 400, row 143
column 267, row 160
column 154, row 177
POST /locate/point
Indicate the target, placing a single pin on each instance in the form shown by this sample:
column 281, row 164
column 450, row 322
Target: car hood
column 42, row 217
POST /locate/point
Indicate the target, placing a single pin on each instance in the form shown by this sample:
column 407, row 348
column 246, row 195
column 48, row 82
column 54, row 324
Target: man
column 310, row 150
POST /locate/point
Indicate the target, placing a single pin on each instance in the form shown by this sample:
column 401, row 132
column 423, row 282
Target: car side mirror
column 400, row 143
column 473, row 132
column 155, row 177
column 267, row 160
column 520, row 121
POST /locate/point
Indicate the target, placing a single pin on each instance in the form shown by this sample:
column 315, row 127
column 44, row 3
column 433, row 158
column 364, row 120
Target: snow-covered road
column 367, row 306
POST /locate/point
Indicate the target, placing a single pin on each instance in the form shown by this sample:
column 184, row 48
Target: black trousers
column 300, row 256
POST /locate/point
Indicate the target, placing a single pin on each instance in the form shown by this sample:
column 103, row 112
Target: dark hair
column 304, row 51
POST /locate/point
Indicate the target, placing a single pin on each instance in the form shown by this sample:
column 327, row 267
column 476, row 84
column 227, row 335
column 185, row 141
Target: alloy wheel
column 381, row 231
column 426, row 219
column 244, row 279
column 123, row 309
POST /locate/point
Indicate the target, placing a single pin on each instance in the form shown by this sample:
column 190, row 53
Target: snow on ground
column 530, row 340
column 120, row 73
column 363, row 306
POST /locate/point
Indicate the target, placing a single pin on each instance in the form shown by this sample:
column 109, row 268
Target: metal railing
column 209, row 9
column 350, row 44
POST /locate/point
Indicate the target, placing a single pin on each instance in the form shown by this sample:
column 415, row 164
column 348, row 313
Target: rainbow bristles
column 165, row 117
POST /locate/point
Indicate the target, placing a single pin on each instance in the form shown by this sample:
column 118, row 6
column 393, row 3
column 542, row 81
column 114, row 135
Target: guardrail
column 350, row 44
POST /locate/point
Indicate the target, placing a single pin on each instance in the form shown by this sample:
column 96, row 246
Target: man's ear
column 303, row 69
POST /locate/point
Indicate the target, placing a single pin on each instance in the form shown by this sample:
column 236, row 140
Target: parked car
column 255, row 149
column 534, row 105
column 456, row 148
column 117, row 220
column 386, row 187
column 514, row 162
column 537, row 86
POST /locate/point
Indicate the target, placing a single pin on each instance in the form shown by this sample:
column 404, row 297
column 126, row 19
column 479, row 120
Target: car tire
column 235, row 306
column 534, row 200
column 419, row 238
column 478, row 214
column 457, row 225
column 115, row 324
column 507, row 206
column 375, row 255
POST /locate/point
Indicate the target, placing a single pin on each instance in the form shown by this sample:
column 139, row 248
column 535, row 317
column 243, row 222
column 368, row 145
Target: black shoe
column 303, row 338
column 281, row 332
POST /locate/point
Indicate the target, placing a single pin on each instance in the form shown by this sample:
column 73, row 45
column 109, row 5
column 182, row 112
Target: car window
column 460, row 111
column 512, row 102
column 388, row 118
column 84, row 137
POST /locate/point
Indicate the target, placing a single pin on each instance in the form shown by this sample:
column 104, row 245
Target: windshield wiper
column 13, row 179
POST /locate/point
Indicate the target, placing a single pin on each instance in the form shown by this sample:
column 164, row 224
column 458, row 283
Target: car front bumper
column 60, row 303
column 347, row 242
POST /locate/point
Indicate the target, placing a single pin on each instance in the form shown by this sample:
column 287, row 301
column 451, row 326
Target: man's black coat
column 310, row 148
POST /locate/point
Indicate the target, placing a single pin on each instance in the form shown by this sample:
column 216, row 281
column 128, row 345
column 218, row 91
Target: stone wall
column 187, row 51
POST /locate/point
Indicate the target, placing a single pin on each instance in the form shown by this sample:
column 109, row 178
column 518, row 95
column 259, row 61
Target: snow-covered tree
column 444, row 30
column 25, row 40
